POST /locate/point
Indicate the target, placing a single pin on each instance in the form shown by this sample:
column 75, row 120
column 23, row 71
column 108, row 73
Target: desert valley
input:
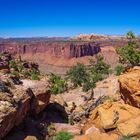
column 81, row 88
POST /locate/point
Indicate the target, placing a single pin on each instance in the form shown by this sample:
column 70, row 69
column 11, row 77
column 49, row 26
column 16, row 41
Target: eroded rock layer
column 19, row 100
column 59, row 56
column 130, row 86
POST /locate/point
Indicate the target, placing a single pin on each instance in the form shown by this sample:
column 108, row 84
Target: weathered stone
column 91, row 130
column 130, row 86
column 24, row 100
column 74, row 129
column 110, row 114
column 130, row 127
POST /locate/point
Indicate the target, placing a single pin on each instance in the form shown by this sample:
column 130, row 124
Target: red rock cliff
column 59, row 56
column 57, row 49
column 54, row 56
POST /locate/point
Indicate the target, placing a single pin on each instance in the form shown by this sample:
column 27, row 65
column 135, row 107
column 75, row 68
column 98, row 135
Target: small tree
column 78, row 74
column 57, row 84
column 129, row 55
column 99, row 66
column 130, row 36
column 119, row 69
column 12, row 64
column 89, row 84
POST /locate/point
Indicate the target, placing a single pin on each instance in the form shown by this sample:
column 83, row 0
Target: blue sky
column 28, row 18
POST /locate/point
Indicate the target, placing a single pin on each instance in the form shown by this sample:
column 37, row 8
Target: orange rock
column 130, row 127
column 130, row 86
column 30, row 138
column 110, row 114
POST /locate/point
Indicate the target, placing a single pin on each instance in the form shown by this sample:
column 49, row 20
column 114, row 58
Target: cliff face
column 57, row 49
column 54, row 56
column 59, row 56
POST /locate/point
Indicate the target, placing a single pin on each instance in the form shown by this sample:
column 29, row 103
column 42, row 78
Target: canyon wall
column 57, row 49
column 59, row 56
column 53, row 56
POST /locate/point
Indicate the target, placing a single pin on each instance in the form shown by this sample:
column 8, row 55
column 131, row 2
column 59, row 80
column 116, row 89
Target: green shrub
column 20, row 67
column 119, row 69
column 26, row 74
column 99, row 66
column 130, row 35
column 87, row 76
column 58, row 84
column 99, row 69
column 13, row 64
column 129, row 55
column 77, row 74
column 15, row 73
column 89, row 84
column 34, row 74
column 63, row 135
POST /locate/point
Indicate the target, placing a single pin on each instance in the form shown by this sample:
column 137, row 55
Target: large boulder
column 17, row 102
column 108, row 86
column 130, row 86
column 130, row 127
column 110, row 114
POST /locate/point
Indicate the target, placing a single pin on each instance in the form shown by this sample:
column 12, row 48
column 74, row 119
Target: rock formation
column 57, row 49
column 130, row 86
column 19, row 100
column 97, row 37
column 59, row 56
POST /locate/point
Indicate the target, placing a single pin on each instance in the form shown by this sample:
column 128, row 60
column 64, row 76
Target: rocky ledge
column 130, row 86
column 16, row 101
column 116, row 118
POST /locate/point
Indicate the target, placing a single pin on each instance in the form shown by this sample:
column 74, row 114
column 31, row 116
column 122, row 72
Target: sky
column 39, row 18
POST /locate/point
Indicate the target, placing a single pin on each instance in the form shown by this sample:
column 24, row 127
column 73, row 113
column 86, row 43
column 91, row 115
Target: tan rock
column 130, row 86
column 91, row 130
column 14, row 106
column 41, row 98
column 30, row 138
column 74, row 129
column 109, row 114
column 130, row 127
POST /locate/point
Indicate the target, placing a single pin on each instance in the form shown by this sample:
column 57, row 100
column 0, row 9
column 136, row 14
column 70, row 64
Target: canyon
column 59, row 55
column 28, row 107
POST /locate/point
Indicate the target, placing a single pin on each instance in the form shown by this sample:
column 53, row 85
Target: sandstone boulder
column 130, row 127
column 130, row 86
column 110, row 114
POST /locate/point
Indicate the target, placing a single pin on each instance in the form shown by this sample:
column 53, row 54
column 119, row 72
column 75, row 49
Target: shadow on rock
column 55, row 113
